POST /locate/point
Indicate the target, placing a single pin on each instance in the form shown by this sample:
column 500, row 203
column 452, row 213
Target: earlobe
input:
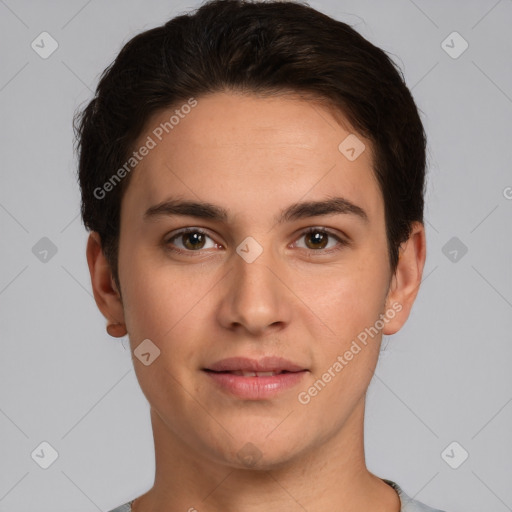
column 105, row 292
column 406, row 280
column 116, row 330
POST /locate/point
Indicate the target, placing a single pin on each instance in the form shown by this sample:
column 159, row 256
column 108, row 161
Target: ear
column 406, row 280
column 104, row 288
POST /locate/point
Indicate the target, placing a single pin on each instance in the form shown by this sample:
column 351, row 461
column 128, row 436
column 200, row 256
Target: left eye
column 318, row 239
column 194, row 239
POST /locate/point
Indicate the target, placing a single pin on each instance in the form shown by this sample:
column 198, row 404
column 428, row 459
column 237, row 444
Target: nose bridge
column 255, row 297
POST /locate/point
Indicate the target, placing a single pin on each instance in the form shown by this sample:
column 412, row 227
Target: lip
column 265, row 364
column 255, row 388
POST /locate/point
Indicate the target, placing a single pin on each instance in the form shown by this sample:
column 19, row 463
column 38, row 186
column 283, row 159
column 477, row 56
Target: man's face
column 252, row 286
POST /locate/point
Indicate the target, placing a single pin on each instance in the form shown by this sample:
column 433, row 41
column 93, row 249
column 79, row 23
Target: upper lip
column 265, row 364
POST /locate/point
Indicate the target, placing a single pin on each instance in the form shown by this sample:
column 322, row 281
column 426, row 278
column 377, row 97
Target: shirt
column 407, row 503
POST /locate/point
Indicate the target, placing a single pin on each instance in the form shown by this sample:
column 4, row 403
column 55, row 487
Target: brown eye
column 317, row 239
column 193, row 240
column 189, row 240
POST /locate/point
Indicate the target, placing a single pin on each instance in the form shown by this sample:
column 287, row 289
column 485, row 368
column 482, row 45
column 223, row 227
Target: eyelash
column 341, row 242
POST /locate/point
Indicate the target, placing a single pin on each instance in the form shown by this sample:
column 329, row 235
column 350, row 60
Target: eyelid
column 183, row 231
column 342, row 240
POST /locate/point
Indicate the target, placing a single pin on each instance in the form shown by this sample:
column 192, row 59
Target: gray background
column 444, row 377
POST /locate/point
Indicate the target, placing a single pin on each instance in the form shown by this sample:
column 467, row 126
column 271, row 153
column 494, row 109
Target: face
column 248, row 280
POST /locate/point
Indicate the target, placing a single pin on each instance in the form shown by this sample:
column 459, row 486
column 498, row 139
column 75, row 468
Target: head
column 250, row 109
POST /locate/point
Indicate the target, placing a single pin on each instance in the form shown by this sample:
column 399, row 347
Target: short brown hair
column 262, row 48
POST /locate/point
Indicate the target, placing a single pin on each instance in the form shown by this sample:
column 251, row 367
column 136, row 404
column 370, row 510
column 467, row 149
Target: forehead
column 235, row 148
column 229, row 119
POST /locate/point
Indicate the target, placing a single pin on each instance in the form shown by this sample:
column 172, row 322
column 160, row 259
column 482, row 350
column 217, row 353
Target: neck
column 329, row 476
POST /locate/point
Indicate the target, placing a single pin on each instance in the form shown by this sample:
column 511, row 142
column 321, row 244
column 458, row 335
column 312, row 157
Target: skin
column 255, row 156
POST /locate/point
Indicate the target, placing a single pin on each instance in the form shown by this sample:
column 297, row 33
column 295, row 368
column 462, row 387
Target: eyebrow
column 296, row 211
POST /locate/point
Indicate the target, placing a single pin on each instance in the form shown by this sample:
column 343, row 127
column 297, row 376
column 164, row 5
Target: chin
column 259, row 450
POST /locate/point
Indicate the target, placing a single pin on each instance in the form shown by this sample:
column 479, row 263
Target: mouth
column 268, row 364
column 243, row 373
column 253, row 379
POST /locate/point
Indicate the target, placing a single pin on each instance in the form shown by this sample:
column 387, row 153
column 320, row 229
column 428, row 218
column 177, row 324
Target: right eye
column 191, row 240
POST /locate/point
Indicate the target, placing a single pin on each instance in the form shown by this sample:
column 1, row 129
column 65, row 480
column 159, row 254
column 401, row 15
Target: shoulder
column 123, row 508
column 409, row 504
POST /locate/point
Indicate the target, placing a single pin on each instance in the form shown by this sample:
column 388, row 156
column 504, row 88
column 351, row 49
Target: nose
column 256, row 298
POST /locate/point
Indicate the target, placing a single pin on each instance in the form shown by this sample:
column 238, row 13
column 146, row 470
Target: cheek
column 347, row 296
column 349, row 302
column 162, row 307
column 161, row 302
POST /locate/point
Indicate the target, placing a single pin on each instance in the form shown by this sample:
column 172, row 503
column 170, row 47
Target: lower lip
column 256, row 388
